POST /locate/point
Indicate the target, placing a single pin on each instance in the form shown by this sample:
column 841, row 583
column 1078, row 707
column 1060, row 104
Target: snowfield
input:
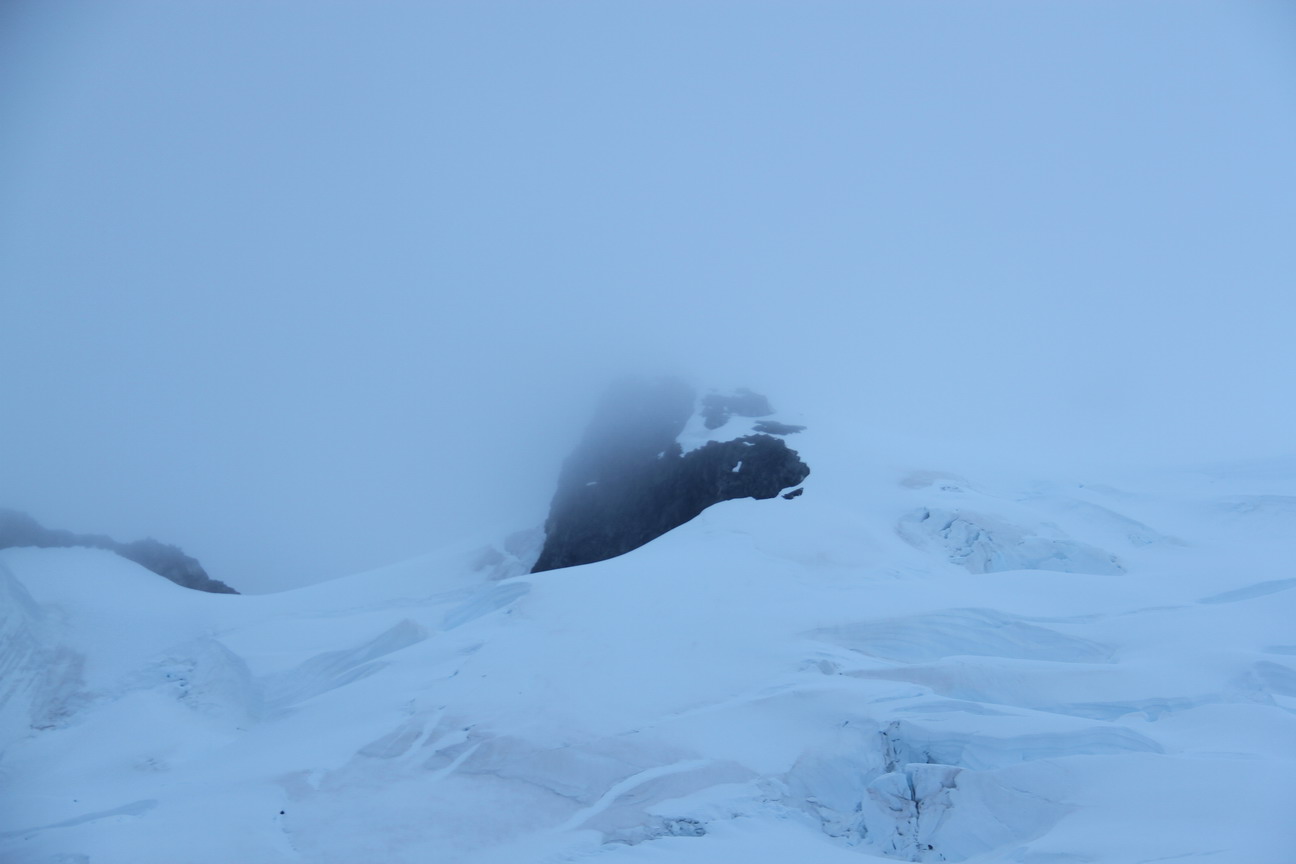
column 902, row 664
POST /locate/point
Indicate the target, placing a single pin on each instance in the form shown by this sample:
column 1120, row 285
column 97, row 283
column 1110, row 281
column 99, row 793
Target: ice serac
column 170, row 562
column 629, row 481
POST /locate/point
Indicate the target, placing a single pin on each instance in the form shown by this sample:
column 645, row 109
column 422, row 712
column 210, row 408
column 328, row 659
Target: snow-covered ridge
column 18, row 529
column 826, row 682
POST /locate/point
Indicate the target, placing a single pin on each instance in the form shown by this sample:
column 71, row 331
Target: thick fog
column 310, row 288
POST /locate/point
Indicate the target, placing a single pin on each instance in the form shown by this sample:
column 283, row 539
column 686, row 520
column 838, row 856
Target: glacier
column 1043, row 671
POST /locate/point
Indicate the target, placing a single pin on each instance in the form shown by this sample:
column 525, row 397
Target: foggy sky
column 308, row 288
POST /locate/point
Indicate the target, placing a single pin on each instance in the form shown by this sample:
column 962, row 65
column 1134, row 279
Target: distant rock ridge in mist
column 170, row 562
column 630, row 480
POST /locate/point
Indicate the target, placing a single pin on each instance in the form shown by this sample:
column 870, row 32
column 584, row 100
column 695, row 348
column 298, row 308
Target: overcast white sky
column 311, row 287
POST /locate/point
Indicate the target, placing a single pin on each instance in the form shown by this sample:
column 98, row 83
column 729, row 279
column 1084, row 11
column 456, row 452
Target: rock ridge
column 19, row 529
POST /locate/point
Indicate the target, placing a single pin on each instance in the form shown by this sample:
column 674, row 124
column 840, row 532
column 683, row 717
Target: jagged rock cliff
column 19, row 529
column 630, row 480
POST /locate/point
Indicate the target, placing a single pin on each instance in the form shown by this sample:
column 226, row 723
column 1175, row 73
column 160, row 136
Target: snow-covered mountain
column 901, row 664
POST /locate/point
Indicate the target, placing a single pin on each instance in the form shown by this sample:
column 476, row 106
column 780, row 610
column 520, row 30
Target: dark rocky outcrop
column 630, row 481
column 717, row 408
column 19, row 529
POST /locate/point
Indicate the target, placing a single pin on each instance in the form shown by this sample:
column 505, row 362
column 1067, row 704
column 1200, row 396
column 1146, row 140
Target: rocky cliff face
column 630, row 479
column 19, row 529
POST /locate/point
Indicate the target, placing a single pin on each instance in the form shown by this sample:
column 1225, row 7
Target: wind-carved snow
column 336, row 669
column 135, row 808
column 985, row 632
column 514, row 556
column 1250, row 592
column 1261, row 509
column 902, row 792
column 206, row 677
column 483, row 603
column 758, row 686
column 621, row 788
column 986, row 544
column 1101, row 518
column 41, row 683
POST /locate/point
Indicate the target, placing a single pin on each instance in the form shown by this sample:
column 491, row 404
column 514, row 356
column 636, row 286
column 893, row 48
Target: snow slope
column 902, row 664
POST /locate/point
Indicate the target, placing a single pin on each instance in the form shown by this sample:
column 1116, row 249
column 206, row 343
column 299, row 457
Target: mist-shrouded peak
column 653, row 457
column 170, row 562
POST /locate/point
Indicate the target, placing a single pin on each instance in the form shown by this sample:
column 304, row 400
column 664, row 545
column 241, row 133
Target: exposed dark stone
column 19, row 529
column 774, row 427
column 718, row 407
column 795, row 493
column 629, row 480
